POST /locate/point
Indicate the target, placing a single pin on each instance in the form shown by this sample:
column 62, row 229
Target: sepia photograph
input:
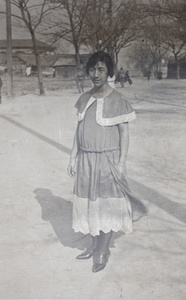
column 93, row 149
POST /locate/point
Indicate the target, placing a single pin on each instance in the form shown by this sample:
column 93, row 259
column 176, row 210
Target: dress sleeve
column 82, row 102
column 123, row 107
column 78, row 104
column 115, row 111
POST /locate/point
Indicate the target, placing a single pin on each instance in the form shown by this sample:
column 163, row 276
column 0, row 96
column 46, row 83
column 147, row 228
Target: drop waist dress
column 101, row 192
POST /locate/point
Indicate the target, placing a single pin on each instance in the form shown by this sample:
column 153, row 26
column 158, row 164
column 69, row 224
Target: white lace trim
column 111, row 121
column 89, row 103
column 105, row 226
column 99, row 114
column 107, row 221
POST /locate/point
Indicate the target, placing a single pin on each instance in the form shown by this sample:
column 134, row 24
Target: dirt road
column 38, row 245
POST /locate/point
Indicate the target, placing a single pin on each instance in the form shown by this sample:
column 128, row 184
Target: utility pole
column 159, row 26
column 9, row 48
column 110, row 47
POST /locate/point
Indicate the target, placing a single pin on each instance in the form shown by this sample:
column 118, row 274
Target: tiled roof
column 66, row 60
column 69, row 59
column 46, row 60
column 55, row 60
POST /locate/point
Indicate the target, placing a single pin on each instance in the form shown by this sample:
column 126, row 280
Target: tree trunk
column 77, row 56
column 38, row 64
column 177, row 68
column 156, row 69
column 116, row 63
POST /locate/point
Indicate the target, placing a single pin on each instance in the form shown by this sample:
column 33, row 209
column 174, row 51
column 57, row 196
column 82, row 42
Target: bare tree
column 175, row 44
column 142, row 57
column 164, row 29
column 32, row 13
column 174, row 30
column 125, row 30
column 68, row 23
column 112, row 25
column 99, row 24
column 83, row 22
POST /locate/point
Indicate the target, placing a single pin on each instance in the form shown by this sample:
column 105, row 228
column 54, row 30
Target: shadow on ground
column 173, row 208
column 37, row 134
column 58, row 212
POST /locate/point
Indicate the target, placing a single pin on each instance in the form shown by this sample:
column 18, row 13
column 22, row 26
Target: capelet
column 111, row 110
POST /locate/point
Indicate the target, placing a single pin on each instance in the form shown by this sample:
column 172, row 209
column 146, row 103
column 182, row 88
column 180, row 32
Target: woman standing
column 98, row 162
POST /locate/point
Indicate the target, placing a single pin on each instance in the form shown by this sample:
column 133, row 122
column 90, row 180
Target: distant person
column 148, row 75
column 80, row 79
column 112, row 81
column 1, row 84
column 159, row 75
column 28, row 71
column 121, row 77
column 127, row 78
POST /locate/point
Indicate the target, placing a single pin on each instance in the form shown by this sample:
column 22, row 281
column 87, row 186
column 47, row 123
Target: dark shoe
column 86, row 254
column 100, row 261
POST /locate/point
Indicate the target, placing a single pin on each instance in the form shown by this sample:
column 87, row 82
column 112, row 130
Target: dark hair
column 103, row 57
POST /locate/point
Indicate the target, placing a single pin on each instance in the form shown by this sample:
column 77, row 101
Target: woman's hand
column 71, row 169
column 124, row 144
column 122, row 165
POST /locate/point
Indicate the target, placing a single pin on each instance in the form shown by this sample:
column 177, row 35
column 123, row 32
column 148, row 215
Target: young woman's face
column 99, row 74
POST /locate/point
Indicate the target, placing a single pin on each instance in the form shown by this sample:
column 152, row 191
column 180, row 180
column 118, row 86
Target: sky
column 17, row 33
column 21, row 33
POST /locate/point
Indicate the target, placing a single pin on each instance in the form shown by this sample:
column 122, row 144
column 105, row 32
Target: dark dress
column 99, row 201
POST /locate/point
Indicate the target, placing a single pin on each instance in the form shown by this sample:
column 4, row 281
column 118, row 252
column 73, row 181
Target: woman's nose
column 96, row 73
